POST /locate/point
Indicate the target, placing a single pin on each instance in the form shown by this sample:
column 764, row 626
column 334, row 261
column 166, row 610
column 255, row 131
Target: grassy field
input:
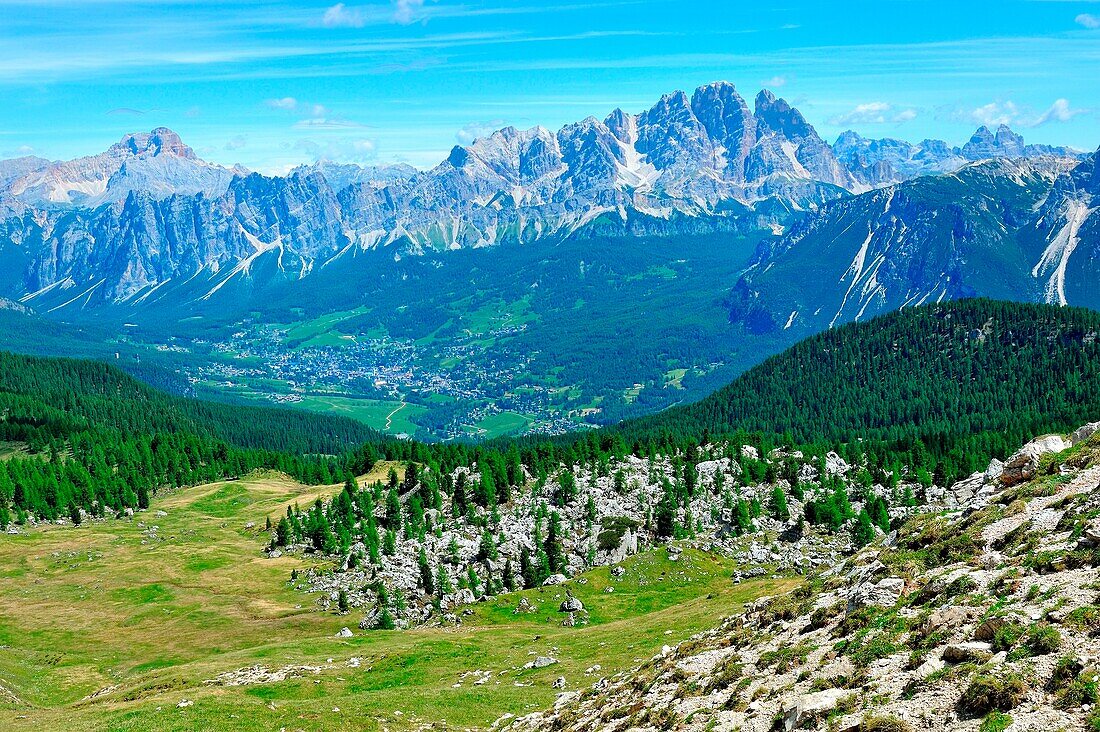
column 502, row 423
column 118, row 626
column 392, row 417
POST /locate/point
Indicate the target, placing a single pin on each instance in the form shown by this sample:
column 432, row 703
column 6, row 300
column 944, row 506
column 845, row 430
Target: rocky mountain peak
column 984, row 143
column 620, row 123
column 776, row 114
column 723, row 112
column 157, row 142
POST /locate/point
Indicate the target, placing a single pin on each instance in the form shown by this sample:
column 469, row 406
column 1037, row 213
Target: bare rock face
column 884, row 593
column 977, row 651
column 811, row 706
column 1083, row 433
column 1023, row 464
column 571, row 604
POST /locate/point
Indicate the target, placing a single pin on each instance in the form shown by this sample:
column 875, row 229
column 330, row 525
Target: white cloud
column 873, row 113
column 995, row 114
column 408, row 11
column 17, row 152
column 1008, row 112
column 341, row 16
column 126, row 112
column 1088, row 20
column 476, row 130
column 236, row 143
column 321, row 122
column 774, row 83
column 1060, row 111
column 288, row 104
column 344, row 150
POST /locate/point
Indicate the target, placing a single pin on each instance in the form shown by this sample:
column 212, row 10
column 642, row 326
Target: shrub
column 1073, row 684
column 784, row 659
column 884, row 723
column 878, row 647
column 1086, row 618
column 1006, row 636
column 996, row 722
column 991, row 693
column 1065, row 671
column 1043, row 639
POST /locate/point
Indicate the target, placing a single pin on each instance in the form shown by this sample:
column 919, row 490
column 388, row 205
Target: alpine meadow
column 419, row 365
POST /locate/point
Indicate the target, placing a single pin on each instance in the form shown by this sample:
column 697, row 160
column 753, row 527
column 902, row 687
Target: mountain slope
column 971, row 233
column 973, row 376
column 982, row 618
column 90, row 394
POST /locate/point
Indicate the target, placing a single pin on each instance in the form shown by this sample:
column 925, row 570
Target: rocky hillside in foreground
column 981, row 615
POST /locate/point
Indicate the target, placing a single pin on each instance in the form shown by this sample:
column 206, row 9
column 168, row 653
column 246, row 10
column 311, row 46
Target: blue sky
column 271, row 85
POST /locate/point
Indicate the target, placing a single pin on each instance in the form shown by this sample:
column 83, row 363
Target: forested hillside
column 966, row 380
column 939, row 390
column 84, row 435
column 98, row 394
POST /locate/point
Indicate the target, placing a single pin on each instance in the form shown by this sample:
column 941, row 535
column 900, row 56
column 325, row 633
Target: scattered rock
column 344, row 632
column 884, row 593
column 977, row 651
column 811, row 706
column 570, row 604
column 541, row 662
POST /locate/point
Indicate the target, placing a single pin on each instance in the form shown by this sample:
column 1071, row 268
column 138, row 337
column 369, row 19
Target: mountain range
column 1019, row 229
column 148, row 222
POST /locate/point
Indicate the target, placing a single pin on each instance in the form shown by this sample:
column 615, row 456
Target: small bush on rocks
column 1043, row 639
column 996, row 722
column 885, row 723
column 992, row 693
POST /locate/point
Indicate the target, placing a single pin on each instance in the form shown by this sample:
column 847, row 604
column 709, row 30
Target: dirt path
column 389, row 417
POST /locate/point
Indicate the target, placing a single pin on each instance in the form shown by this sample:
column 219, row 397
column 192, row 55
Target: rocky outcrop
column 1003, row 618
column 1023, row 464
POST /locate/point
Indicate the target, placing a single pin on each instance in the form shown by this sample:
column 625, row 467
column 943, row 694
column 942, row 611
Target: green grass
column 373, row 412
column 306, row 330
column 108, row 606
column 503, row 423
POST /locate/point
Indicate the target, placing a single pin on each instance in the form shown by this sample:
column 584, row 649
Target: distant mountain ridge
column 148, row 221
column 886, row 161
column 1023, row 229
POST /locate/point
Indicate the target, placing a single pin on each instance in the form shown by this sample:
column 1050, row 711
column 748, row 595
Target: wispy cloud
column 291, row 104
column 236, row 143
column 341, row 150
column 476, row 130
column 1008, row 112
column 774, row 83
column 285, row 103
column 1060, row 111
column 1088, row 20
column 327, row 123
column 125, row 112
column 341, row 16
column 408, row 11
column 873, row 113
